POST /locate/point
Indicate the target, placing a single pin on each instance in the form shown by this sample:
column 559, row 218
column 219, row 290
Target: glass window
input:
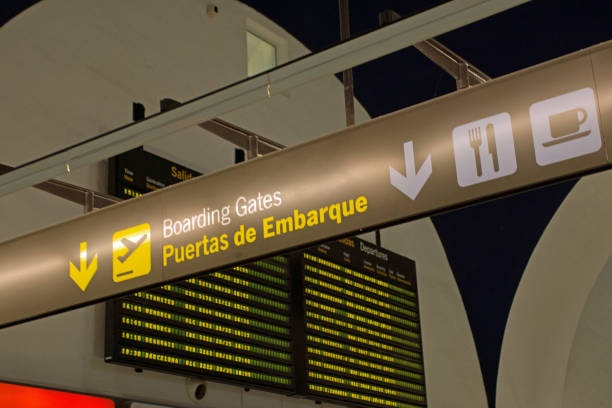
column 261, row 55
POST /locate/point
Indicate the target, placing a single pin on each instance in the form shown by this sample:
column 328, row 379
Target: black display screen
column 232, row 325
column 136, row 172
column 361, row 332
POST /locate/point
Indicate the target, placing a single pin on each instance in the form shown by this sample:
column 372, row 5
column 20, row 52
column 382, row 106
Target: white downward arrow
column 412, row 183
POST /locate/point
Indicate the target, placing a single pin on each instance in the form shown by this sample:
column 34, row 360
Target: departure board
column 231, row 326
column 336, row 322
column 360, row 331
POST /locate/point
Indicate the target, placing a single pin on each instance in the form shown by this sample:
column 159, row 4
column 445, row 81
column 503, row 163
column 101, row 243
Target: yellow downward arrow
column 83, row 276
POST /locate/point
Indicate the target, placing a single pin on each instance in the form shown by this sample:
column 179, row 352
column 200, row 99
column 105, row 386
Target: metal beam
column 458, row 67
column 347, row 74
column 231, row 133
column 91, row 199
column 240, row 137
column 383, row 41
column 451, row 61
column 71, row 192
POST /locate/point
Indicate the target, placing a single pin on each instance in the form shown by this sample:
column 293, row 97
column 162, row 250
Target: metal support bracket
column 252, row 152
column 89, row 201
column 463, row 80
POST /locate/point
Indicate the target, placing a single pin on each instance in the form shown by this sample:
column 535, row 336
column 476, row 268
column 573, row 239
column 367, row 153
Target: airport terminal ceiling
column 518, row 38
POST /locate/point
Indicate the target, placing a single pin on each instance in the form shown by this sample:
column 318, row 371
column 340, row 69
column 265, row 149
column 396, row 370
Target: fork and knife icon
column 475, row 138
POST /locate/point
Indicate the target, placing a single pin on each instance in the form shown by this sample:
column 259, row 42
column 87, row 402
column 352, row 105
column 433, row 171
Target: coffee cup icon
column 565, row 126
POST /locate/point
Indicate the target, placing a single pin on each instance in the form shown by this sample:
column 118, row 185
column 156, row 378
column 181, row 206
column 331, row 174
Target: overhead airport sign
column 537, row 126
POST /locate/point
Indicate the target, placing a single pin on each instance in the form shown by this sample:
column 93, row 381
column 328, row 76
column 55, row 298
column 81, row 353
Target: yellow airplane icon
column 132, row 252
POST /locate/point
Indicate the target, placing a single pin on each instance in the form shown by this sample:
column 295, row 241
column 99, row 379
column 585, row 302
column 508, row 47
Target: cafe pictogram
column 565, row 127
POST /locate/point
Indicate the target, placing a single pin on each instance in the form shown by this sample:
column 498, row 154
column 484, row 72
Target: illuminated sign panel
column 21, row 396
column 360, row 330
column 538, row 126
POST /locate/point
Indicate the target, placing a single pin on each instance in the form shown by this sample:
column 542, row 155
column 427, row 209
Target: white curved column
column 589, row 369
column 452, row 372
column 551, row 296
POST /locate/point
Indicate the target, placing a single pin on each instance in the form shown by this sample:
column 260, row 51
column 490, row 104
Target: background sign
column 136, row 172
column 441, row 154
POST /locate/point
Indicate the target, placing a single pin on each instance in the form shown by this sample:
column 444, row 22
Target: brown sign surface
column 537, row 126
